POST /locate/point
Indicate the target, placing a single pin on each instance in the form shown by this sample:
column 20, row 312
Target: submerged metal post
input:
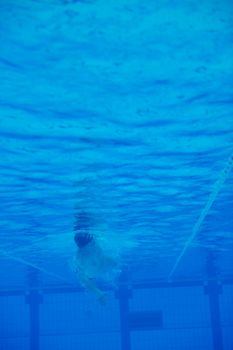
column 34, row 299
column 123, row 295
column 213, row 289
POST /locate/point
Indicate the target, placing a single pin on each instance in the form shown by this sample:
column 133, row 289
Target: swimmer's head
column 82, row 239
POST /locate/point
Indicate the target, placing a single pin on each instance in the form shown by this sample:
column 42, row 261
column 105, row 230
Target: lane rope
column 213, row 195
column 28, row 263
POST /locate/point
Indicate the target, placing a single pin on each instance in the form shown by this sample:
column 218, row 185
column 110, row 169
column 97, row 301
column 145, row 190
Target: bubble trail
column 213, row 195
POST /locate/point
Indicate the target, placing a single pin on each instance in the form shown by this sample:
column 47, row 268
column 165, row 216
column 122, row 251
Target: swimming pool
column 122, row 110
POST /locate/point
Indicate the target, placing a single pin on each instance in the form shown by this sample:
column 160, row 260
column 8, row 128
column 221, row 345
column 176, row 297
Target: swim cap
column 82, row 239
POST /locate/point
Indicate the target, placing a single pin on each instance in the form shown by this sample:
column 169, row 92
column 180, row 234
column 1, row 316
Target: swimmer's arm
column 91, row 286
column 86, row 282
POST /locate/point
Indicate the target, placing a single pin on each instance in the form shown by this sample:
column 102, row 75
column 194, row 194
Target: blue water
column 122, row 109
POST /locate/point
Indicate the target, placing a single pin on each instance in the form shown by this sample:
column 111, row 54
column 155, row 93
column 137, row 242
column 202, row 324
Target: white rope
column 217, row 187
column 28, row 263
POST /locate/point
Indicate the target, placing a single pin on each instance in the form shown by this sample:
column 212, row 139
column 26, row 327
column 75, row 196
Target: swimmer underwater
column 91, row 262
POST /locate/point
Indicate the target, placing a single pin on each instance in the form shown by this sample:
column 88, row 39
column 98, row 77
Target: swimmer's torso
column 90, row 260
